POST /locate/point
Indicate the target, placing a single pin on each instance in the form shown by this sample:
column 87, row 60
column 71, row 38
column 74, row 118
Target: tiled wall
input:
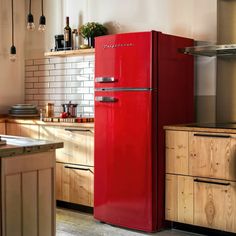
column 60, row 80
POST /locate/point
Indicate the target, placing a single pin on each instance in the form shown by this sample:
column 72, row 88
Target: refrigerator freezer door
column 124, row 60
column 124, row 159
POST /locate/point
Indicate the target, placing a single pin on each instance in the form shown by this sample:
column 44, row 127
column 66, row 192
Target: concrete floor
column 75, row 223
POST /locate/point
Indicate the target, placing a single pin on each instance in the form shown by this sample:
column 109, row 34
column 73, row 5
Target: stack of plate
column 23, row 110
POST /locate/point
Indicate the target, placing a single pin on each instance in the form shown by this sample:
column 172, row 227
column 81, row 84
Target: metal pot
column 70, row 109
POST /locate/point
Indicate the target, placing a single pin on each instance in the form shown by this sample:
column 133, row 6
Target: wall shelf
column 67, row 53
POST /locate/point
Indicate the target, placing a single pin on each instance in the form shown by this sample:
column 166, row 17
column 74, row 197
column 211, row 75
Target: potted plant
column 91, row 30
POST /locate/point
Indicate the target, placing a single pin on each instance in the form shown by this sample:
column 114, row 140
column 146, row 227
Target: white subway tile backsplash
column 75, row 59
column 61, row 90
column 47, row 67
column 60, row 80
column 46, row 79
column 41, row 73
column 80, row 65
column 41, row 61
column 74, row 84
column 88, row 84
column 88, row 96
column 29, row 62
column 63, row 66
column 31, row 91
column 88, row 70
column 31, row 79
column 29, row 97
column 80, row 77
column 29, row 85
column 41, row 85
column 58, row 96
column 74, row 71
column 57, row 60
column 41, row 97
column 75, row 97
column 88, row 109
column 57, row 72
column 89, row 58
column 59, row 84
column 46, row 91
column 29, row 74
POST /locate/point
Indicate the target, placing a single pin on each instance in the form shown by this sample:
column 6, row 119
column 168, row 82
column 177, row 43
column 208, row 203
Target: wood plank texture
column 210, row 156
column 177, row 152
column 13, row 219
column 45, row 203
column 215, row 206
column 30, row 203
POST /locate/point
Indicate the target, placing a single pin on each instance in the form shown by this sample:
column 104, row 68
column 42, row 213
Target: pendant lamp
column 13, row 48
column 30, row 19
column 42, row 20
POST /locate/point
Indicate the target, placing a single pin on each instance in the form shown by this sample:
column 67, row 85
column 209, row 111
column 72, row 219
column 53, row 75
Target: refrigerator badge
column 105, row 46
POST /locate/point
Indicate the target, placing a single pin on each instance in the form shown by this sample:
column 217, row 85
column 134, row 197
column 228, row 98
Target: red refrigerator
column 141, row 84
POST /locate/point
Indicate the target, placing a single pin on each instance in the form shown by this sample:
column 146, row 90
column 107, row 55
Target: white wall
column 12, row 74
column 191, row 18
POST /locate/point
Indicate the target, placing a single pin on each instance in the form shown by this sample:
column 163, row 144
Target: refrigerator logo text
column 105, row 46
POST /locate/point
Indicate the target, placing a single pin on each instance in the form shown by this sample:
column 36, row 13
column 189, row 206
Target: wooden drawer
column 177, row 152
column 78, row 144
column 212, row 155
column 215, row 204
column 75, row 184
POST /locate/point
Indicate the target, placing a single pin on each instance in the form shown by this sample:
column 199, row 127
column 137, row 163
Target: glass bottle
column 67, row 35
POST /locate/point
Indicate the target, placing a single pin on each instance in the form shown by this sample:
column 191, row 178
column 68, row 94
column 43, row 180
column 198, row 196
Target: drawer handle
column 80, row 130
column 78, row 168
column 211, row 182
column 212, row 135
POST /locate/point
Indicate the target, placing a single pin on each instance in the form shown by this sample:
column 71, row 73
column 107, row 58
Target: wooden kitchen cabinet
column 75, row 184
column 201, row 177
column 2, row 128
column 75, row 162
column 25, row 130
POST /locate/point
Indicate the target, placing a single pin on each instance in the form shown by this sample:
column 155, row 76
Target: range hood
column 210, row 50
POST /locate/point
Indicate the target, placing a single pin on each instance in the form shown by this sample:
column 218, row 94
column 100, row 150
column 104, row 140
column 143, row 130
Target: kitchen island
column 27, row 186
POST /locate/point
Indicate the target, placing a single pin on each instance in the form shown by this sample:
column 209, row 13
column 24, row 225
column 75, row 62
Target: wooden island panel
column 27, row 193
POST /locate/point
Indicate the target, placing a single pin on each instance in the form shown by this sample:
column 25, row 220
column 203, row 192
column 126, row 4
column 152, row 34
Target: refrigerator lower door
column 124, row 188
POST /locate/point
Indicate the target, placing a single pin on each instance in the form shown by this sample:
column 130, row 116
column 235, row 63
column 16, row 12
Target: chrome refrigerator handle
column 105, row 99
column 105, row 79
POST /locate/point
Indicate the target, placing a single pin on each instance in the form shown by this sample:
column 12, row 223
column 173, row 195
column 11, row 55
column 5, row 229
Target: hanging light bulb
column 30, row 19
column 13, row 48
column 42, row 20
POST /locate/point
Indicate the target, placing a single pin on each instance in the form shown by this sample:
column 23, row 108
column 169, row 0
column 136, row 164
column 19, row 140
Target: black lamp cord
column 12, row 23
column 42, row 7
column 30, row 7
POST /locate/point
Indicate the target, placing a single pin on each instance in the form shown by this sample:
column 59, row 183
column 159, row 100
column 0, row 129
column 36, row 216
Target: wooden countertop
column 18, row 145
column 195, row 128
column 39, row 122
